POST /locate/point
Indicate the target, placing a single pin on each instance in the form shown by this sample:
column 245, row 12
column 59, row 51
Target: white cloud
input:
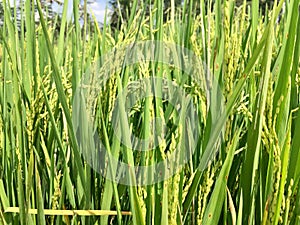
column 99, row 8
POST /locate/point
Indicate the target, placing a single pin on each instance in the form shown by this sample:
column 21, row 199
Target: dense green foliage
column 254, row 58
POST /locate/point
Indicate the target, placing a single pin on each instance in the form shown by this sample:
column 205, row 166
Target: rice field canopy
column 170, row 112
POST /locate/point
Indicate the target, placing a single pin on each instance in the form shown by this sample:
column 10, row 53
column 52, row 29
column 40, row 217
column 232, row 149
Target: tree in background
column 46, row 6
column 121, row 10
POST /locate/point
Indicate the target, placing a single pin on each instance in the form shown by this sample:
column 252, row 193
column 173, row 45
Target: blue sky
column 98, row 8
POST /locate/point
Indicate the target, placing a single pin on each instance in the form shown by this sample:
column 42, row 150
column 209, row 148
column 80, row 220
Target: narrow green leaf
column 215, row 205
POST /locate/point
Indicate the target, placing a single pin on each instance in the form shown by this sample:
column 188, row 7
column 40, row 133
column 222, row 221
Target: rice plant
column 209, row 90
